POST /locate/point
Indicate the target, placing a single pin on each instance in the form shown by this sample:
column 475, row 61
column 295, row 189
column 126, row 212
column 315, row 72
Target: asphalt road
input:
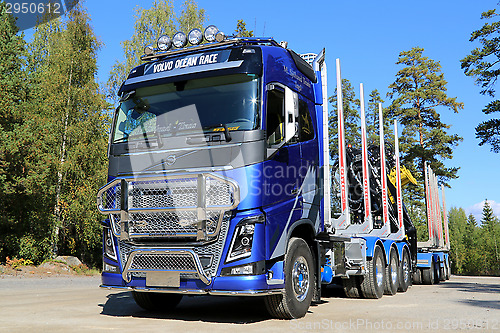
column 76, row 304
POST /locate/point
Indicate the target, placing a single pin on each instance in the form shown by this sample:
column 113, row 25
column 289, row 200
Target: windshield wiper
column 226, row 130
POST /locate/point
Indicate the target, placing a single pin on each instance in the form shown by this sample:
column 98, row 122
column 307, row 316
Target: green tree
column 417, row 92
column 372, row 123
column 483, row 65
column 476, row 257
column 457, row 228
column 351, row 118
column 241, row 30
column 13, row 92
column 67, row 161
column 490, row 228
column 149, row 25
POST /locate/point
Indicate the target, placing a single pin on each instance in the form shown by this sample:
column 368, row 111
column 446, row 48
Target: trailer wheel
column 299, row 283
column 428, row 274
column 448, row 273
column 442, row 273
column 372, row 285
column 352, row 287
column 437, row 272
column 417, row 276
column 405, row 272
column 391, row 274
column 156, row 301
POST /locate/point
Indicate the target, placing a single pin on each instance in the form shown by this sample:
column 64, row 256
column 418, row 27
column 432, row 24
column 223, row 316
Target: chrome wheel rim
column 406, row 270
column 300, row 278
column 394, row 271
column 379, row 272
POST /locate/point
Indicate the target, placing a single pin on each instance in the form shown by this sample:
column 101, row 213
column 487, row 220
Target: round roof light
column 210, row 33
column 179, row 39
column 195, row 36
column 220, row 36
column 164, row 43
column 149, row 50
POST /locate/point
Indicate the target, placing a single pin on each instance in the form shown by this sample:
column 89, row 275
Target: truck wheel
column 417, row 276
column 299, row 283
column 372, row 285
column 156, row 301
column 351, row 287
column 391, row 274
column 428, row 274
column 405, row 272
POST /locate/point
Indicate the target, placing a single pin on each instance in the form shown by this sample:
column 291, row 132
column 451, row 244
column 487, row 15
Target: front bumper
column 252, row 285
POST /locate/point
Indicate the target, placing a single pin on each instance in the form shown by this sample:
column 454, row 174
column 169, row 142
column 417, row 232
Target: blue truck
column 221, row 182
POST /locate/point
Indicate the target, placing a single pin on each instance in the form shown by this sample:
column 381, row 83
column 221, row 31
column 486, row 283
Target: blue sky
column 367, row 36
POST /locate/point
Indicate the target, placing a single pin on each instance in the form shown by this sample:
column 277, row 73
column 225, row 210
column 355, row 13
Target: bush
column 33, row 250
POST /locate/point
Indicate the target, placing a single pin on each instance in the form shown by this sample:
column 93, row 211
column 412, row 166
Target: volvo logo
column 170, row 160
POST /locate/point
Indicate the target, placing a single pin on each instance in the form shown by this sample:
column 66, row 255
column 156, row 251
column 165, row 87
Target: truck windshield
column 186, row 107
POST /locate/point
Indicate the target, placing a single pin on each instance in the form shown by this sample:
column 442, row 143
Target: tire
column 405, row 272
column 437, row 273
column 372, row 285
column 442, row 274
column 351, row 287
column 428, row 274
column 417, row 276
column 299, row 283
column 156, row 301
column 448, row 271
column 392, row 274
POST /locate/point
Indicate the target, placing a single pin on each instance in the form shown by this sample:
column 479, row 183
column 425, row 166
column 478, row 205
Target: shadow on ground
column 214, row 309
column 467, row 287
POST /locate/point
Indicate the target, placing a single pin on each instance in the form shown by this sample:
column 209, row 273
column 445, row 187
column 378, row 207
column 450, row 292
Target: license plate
column 163, row 279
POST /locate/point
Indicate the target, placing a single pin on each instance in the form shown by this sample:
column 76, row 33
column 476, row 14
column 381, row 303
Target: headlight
column 109, row 244
column 179, row 40
column 164, row 43
column 210, row 33
column 195, row 37
column 241, row 244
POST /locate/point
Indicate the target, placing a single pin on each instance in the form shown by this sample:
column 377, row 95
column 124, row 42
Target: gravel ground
column 76, row 304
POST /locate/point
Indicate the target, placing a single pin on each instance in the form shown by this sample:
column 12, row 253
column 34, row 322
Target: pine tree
column 490, row 227
column 149, row 25
column 417, row 93
column 483, row 65
column 13, row 92
column 351, row 118
column 241, row 30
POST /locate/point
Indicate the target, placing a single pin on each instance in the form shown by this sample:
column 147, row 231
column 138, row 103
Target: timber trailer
column 220, row 182
column 433, row 262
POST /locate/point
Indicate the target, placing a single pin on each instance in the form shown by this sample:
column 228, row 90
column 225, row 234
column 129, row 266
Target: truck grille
column 212, row 252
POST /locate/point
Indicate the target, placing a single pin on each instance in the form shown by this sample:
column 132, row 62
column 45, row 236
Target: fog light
column 179, row 40
column 242, row 270
column 195, row 36
column 164, row 43
column 210, row 33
